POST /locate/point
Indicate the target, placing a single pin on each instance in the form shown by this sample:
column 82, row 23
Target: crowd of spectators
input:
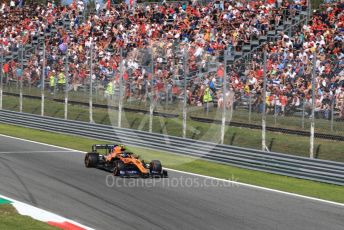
column 166, row 30
column 290, row 66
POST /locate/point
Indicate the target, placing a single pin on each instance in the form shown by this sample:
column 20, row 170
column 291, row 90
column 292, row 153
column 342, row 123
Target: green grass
column 11, row 220
column 170, row 160
column 243, row 137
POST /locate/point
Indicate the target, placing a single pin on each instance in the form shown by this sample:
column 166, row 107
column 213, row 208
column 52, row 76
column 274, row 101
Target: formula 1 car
column 122, row 163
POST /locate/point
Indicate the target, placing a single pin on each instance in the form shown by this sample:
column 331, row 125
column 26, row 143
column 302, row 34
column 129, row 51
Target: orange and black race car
column 122, row 163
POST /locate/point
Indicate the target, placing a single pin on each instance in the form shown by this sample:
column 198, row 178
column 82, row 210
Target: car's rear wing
column 104, row 146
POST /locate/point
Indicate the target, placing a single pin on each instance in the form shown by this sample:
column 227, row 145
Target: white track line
column 208, row 177
column 61, row 151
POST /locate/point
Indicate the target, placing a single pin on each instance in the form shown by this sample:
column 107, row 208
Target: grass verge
column 11, row 220
column 283, row 183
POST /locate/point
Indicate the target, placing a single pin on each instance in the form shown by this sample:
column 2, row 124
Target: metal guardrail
column 288, row 165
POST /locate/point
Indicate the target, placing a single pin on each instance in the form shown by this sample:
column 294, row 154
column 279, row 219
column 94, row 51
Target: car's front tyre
column 118, row 167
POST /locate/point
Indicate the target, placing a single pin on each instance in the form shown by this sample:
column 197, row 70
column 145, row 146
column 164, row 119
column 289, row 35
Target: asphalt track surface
column 56, row 180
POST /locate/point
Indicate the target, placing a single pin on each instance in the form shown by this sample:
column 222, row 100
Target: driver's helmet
column 117, row 149
column 113, row 148
column 122, row 147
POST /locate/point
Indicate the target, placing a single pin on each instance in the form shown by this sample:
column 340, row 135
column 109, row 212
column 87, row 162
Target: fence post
column 309, row 10
column 29, row 77
column 21, row 79
column 224, row 89
column 185, row 91
column 166, row 93
column 311, row 149
column 151, row 106
column 120, row 90
column 129, row 81
column 332, row 112
column 249, row 107
column 1, row 76
column 264, row 106
column 91, row 85
column 303, row 114
column 96, row 92
column 43, row 79
column 275, row 110
column 66, row 87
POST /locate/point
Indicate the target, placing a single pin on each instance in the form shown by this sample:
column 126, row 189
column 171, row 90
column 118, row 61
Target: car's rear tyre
column 91, row 160
column 118, row 166
column 155, row 166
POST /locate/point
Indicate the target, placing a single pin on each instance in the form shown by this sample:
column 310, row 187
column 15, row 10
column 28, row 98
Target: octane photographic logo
column 173, row 182
column 151, row 81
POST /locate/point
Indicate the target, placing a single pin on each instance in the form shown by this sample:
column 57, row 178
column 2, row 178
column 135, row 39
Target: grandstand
column 138, row 56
